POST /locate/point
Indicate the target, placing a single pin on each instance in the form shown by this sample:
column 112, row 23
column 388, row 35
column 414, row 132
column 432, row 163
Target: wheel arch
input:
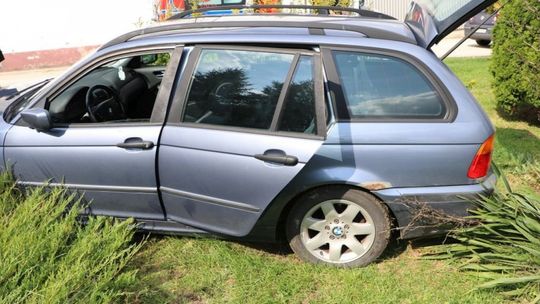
column 276, row 214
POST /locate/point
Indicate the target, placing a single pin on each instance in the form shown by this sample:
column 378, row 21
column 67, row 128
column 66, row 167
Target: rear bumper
column 484, row 33
column 429, row 211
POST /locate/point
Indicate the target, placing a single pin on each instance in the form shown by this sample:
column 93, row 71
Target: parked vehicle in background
column 484, row 35
column 324, row 131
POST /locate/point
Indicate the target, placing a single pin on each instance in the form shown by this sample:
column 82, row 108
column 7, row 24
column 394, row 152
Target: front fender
column 4, row 128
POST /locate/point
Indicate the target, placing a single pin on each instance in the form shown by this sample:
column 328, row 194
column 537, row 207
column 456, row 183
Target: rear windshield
column 378, row 86
column 443, row 9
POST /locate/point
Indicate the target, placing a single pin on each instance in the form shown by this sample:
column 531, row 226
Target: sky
column 27, row 25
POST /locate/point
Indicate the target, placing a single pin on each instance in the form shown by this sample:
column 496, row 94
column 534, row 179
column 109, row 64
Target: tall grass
column 47, row 256
column 504, row 247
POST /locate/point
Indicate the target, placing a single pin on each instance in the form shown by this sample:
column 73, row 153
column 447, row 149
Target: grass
column 185, row 270
column 190, row 270
column 504, row 248
column 46, row 256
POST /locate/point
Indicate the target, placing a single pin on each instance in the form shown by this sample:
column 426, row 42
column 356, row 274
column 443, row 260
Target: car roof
column 365, row 27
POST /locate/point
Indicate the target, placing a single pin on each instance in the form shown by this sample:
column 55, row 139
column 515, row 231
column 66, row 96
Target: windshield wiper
column 36, row 85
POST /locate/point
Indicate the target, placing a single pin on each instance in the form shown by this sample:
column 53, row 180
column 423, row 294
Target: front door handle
column 278, row 157
column 136, row 143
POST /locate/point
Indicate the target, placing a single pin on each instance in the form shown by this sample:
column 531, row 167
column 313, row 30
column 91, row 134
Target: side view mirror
column 148, row 59
column 37, row 118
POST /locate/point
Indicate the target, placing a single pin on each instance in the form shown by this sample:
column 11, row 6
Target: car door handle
column 132, row 143
column 278, row 157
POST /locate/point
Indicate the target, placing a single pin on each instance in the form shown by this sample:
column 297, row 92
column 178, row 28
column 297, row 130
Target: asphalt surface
column 22, row 79
column 468, row 49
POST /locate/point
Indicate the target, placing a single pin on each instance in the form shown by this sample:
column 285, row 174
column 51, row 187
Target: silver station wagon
column 319, row 130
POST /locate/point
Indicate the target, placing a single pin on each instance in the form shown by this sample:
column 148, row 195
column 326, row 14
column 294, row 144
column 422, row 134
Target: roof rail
column 340, row 24
column 323, row 10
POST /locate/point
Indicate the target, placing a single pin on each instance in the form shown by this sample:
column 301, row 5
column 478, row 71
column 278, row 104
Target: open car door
column 432, row 20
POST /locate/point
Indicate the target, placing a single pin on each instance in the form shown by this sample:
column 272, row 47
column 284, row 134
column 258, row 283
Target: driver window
column 123, row 90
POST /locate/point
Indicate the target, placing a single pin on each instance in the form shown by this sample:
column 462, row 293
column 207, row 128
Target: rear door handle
column 278, row 157
column 136, row 143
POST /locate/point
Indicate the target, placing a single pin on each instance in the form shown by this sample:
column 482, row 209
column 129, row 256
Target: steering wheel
column 222, row 93
column 103, row 104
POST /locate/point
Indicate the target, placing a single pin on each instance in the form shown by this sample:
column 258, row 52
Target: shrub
column 504, row 246
column 516, row 60
column 47, row 256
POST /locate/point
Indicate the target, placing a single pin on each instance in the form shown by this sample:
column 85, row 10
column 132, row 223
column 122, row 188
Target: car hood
column 4, row 103
column 15, row 95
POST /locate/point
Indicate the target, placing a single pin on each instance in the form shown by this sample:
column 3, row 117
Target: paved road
column 468, row 49
column 21, row 79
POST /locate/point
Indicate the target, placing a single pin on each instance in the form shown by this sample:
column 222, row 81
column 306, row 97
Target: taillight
column 482, row 160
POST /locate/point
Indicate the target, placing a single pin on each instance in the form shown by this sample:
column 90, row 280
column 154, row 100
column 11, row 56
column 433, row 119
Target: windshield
column 22, row 100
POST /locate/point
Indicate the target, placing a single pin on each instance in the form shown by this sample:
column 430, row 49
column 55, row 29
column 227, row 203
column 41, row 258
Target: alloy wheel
column 337, row 231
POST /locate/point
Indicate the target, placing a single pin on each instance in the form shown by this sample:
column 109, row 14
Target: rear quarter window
column 384, row 87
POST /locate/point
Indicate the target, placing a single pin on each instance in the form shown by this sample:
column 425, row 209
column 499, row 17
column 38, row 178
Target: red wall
column 44, row 59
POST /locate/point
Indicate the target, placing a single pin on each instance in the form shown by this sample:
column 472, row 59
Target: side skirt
column 157, row 226
column 260, row 235
column 169, row 228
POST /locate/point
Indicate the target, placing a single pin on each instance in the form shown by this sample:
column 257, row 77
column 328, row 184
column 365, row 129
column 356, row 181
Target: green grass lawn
column 189, row 270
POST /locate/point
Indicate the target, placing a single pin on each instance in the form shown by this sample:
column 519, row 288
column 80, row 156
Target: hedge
column 516, row 60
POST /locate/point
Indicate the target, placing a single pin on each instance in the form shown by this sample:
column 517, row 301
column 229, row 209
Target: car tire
column 339, row 226
column 483, row 42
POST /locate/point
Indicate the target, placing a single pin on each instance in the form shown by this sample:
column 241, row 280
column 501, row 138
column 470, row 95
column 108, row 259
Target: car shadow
column 477, row 46
column 395, row 249
column 280, row 249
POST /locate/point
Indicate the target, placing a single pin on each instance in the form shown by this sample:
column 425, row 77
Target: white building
column 42, row 24
column 395, row 8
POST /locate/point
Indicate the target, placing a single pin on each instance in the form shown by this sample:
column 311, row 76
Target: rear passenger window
column 377, row 86
column 237, row 88
column 299, row 107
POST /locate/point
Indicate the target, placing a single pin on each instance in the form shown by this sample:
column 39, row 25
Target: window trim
column 181, row 94
column 320, row 103
column 278, row 112
column 340, row 102
column 53, row 92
